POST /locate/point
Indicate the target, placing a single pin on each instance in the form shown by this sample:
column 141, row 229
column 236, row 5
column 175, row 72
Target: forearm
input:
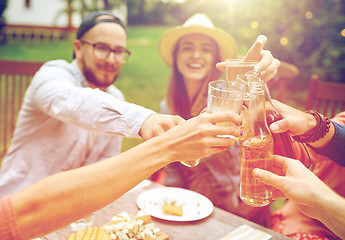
column 65, row 197
column 90, row 109
column 333, row 214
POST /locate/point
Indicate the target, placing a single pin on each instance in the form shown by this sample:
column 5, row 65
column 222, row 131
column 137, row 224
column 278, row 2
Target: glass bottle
column 256, row 149
column 282, row 141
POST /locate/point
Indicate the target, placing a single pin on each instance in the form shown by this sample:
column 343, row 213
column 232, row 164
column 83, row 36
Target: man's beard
column 92, row 78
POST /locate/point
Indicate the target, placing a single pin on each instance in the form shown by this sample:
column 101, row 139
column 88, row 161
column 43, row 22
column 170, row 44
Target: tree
column 3, row 5
column 305, row 33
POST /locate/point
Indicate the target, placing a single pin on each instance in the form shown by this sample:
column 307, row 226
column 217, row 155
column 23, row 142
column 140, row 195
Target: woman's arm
column 65, row 197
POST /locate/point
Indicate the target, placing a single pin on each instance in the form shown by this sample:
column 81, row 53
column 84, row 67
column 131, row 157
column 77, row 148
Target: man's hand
column 294, row 121
column 157, row 124
column 296, row 182
column 299, row 123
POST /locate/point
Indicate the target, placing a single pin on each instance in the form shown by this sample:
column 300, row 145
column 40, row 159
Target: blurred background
column 308, row 34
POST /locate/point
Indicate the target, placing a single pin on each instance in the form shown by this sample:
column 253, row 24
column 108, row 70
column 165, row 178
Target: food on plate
column 94, row 233
column 123, row 227
column 172, row 209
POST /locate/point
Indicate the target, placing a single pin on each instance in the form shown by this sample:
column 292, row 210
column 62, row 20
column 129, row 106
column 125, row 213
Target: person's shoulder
column 59, row 67
column 56, row 70
column 56, row 63
column 112, row 90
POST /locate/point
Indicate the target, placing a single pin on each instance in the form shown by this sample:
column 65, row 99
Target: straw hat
column 198, row 23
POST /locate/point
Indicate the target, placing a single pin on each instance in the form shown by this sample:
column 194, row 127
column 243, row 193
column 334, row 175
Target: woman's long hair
column 177, row 98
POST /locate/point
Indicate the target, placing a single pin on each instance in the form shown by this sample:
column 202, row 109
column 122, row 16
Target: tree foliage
column 3, row 5
column 305, row 33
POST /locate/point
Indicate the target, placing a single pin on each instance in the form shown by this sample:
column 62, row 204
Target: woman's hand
column 267, row 66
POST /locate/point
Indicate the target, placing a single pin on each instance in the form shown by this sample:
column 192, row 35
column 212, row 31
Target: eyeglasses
column 102, row 51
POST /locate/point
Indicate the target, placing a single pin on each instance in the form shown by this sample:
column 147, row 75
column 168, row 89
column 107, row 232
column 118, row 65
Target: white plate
column 194, row 205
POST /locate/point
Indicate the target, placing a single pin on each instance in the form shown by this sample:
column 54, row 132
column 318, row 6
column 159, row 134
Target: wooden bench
column 15, row 77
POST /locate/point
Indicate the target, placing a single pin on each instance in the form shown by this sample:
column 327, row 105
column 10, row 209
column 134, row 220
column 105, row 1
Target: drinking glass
column 225, row 96
column 222, row 96
column 234, row 67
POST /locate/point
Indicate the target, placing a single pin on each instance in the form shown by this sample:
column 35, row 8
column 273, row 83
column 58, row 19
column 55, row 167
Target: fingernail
column 257, row 173
column 263, row 73
column 260, row 39
column 257, row 68
column 274, row 127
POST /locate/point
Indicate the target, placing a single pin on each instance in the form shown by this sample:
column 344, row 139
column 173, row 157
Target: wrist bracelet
column 322, row 128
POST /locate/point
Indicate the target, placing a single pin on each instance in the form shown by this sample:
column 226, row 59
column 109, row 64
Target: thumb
column 267, row 177
column 280, row 126
column 254, row 52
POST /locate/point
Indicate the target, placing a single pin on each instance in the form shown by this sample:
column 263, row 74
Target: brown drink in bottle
column 282, row 141
column 256, row 149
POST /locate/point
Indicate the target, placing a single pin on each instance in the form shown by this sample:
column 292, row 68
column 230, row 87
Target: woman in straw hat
column 192, row 51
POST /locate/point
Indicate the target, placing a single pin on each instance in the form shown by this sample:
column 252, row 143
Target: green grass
column 144, row 79
column 37, row 51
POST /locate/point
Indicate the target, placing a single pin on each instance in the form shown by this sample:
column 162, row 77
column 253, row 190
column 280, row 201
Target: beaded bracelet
column 322, row 128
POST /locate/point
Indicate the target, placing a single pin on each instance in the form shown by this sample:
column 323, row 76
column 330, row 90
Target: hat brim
column 227, row 45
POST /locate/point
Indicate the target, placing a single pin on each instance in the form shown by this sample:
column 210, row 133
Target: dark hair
column 177, row 98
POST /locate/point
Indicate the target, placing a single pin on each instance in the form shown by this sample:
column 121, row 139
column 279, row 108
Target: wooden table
column 216, row 226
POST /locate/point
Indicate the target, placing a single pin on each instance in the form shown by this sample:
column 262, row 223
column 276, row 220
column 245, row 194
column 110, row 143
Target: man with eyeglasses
column 72, row 114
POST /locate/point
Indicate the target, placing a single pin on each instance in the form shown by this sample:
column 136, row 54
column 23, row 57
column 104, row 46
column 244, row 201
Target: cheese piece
column 172, row 209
